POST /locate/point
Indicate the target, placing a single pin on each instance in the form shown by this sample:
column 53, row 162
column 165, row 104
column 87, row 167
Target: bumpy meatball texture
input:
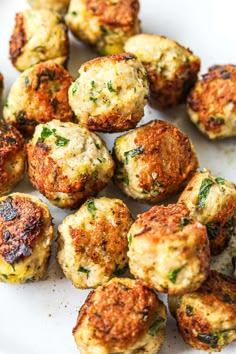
column 211, row 104
column 169, row 250
column 38, row 35
column 123, row 315
column 56, row 5
column 105, row 24
column 110, row 93
column 1, row 85
column 93, row 242
column 145, row 167
column 67, row 163
column 26, row 234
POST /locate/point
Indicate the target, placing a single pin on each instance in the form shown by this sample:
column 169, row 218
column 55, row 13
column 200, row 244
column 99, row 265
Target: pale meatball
column 110, row 93
column 38, row 35
column 206, row 318
column 105, row 24
column 172, row 69
column 154, row 161
column 123, row 315
column 1, row 85
column 67, row 163
column 12, row 158
column 212, row 201
column 212, row 103
column 39, row 95
column 26, row 234
column 169, row 249
column 93, row 242
column 56, row 5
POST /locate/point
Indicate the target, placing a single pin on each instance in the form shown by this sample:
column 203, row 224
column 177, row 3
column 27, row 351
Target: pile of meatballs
column 49, row 124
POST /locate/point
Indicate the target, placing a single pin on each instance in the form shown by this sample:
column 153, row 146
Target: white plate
column 38, row 318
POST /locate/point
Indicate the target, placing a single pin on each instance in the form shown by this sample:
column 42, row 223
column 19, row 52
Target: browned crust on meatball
column 115, row 58
column 224, row 231
column 18, row 38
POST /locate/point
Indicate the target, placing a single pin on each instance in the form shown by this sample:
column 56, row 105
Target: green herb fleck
column 101, row 159
column 74, row 13
column 97, row 146
column 130, row 239
column 210, row 339
column 189, row 310
column 212, row 230
column 220, row 180
column 75, row 87
column 185, row 221
column 30, row 280
column 144, row 191
column 95, row 175
column 109, row 86
column 145, row 97
column 131, row 153
column 216, row 121
column 61, row 141
column 6, row 104
column 204, row 191
column 45, row 133
column 94, row 99
column 135, row 90
column 91, row 207
column 13, row 267
column 125, row 178
column 157, row 324
column 119, row 271
column 4, row 276
column 227, row 299
column 84, row 270
column 172, row 276
column 92, row 83
column 27, row 81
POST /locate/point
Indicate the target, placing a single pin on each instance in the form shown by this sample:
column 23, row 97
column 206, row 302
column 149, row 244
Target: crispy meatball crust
column 39, row 95
column 67, row 163
column 169, row 249
column 212, row 201
column 172, row 69
column 110, row 93
column 105, row 24
column 1, row 85
column 93, row 242
column 12, row 158
column 211, row 104
column 123, row 315
column 26, row 234
column 146, row 169
column 30, row 45
column 60, row 6
column 206, row 318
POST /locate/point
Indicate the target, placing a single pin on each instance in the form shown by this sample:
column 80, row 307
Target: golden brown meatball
column 212, row 201
column 169, row 249
column 56, row 5
column 38, row 35
column 211, row 104
column 110, row 93
column 67, row 163
column 12, row 158
column 172, row 69
column 26, row 235
column 39, row 95
column 105, row 24
column 93, row 242
column 123, row 315
column 1, row 85
column 206, row 318
column 146, row 169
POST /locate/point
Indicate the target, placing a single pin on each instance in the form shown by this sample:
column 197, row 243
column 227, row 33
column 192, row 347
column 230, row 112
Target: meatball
column 123, row 315
column 12, row 158
column 211, row 104
column 212, row 201
column 39, row 95
column 60, row 6
column 1, row 85
column 67, row 163
column 26, row 234
column 146, row 169
column 93, row 242
column 105, row 24
column 38, row 35
column 172, row 69
column 110, row 93
column 169, row 249
column 206, row 318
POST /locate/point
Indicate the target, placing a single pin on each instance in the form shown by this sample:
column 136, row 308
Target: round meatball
column 172, row 69
column 12, row 158
column 39, row 95
column 26, row 234
column 1, row 85
column 93, row 242
column 38, row 35
column 105, row 24
column 169, row 249
column 212, row 201
column 67, row 163
column 146, row 169
column 123, row 315
column 206, row 318
column 60, row 6
column 110, row 93
column 211, row 104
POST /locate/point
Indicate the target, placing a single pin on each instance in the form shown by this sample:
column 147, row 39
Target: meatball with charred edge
column 1, row 85
column 12, row 158
column 104, row 24
column 123, row 315
column 154, row 161
column 39, row 95
column 171, row 68
column 206, row 319
column 26, row 234
column 211, row 104
column 169, row 249
column 60, row 6
column 110, row 93
column 212, row 201
column 30, row 45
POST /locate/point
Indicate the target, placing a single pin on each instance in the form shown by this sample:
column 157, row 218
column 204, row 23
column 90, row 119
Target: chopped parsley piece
column 130, row 239
column 144, row 191
column 74, row 13
column 131, row 153
column 74, row 87
column 212, row 230
column 220, row 180
column 13, row 267
column 145, row 97
column 204, row 191
column 95, row 175
column 216, row 121
column 109, row 86
column 135, row 89
column 4, row 276
column 97, row 146
column 185, row 221
column 172, row 276
column 84, row 270
column 227, row 299
column 101, row 159
column 125, row 178
column 157, row 324
column 189, row 310
column 46, row 132
column 92, row 83
column 91, row 207
column 30, row 280
column 61, row 141
column 118, row 271
column 94, row 99
column 6, row 104
column 27, row 81
column 210, row 339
